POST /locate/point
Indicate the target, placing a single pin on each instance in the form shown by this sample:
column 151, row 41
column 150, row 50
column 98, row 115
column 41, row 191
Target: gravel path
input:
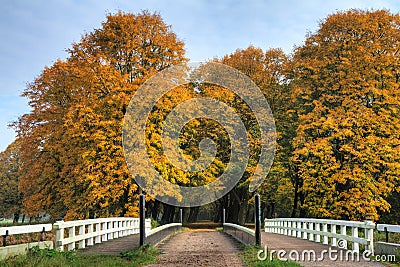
column 200, row 248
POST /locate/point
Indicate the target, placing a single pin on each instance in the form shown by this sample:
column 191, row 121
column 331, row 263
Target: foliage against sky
column 335, row 102
column 347, row 85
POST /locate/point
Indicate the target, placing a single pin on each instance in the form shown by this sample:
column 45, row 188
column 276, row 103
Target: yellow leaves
column 347, row 136
column 133, row 211
column 78, row 105
column 336, row 105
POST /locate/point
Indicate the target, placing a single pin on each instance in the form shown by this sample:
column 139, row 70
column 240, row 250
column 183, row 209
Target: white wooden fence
column 387, row 248
column 83, row 233
column 328, row 232
column 25, row 229
column 158, row 234
column 7, row 251
column 161, row 228
column 241, row 233
column 391, row 228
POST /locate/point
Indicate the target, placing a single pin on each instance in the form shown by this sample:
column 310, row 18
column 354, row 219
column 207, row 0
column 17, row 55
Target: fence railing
column 10, row 250
column 24, row 229
column 388, row 228
column 328, row 232
column 156, row 235
column 387, row 247
column 240, row 233
column 83, row 233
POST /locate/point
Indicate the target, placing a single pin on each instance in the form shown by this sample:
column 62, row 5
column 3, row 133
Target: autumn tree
column 347, row 88
column 10, row 195
column 335, row 104
column 268, row 71
column 73, row 162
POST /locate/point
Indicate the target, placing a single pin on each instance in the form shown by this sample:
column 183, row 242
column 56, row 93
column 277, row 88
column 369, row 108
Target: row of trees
column 336, row 103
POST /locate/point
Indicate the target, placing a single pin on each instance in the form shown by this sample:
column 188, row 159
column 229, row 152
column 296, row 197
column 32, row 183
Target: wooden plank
column 162, row 227
column 241, row 228
column 390, row 228
column 24, row 229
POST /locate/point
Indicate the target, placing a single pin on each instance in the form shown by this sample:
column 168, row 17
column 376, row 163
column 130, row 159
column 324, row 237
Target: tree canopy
column 72, row 156
column 346, row 84
column 335, row 100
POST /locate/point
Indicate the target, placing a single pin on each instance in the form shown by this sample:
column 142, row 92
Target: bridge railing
column 24, row 229
column 328, row 232
column 387, row 247
column 83, row 233
column 7, row 250
column 156, row 235
column 242, row 234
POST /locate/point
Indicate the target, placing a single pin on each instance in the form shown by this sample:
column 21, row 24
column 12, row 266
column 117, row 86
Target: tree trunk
column 302, row 213
column 92, row 214
column 172, row 214
column 218, row 213
column 243, row 207
column 154, row 209
column 233, row 210
column 165, row 215
column 296, row 196
column 16, row 217
column 194, row 211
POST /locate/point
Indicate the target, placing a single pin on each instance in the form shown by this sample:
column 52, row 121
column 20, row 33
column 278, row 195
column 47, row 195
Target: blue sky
column 36, row 33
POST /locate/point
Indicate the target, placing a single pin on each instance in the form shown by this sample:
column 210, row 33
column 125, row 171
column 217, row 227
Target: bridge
column 308, row 241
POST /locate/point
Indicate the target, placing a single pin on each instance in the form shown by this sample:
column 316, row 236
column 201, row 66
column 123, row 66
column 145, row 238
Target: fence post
column 325, row 230
column 257, row 219
column 142, row 231
column 369, row 233
column 181, row 216
column 223, row 216
column 59, row 236
column 354, row 233
column 81, row 231
column 5, row 239
column 386, row 235
column 71, row 234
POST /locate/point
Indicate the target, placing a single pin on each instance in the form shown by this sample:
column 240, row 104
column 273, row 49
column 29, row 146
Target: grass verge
column 249, row 256
column 50, row 257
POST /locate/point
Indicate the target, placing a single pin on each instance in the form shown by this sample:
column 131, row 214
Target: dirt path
column 200, row 248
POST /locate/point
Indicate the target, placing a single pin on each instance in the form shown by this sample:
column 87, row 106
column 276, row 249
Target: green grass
column 154, row 224
column 5, row 223
column 51, row 257
column 249, row 256
column 381, row 236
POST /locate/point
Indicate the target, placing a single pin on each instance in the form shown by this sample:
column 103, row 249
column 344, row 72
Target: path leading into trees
column 200, row 247
column 288, row 244
column 206, row 247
